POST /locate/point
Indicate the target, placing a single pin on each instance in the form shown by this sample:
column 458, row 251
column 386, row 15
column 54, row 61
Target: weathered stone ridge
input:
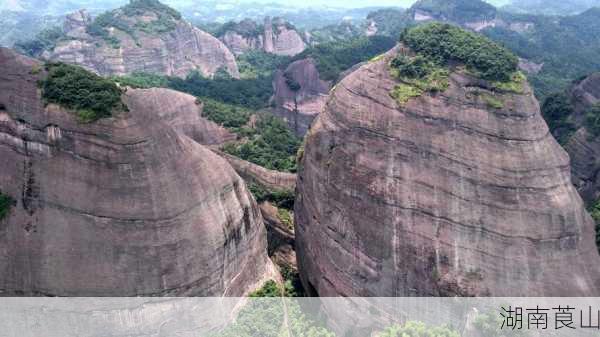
column 251, row 172
column 300, row 107
column 174, row 53
column 441, row 196
column 583, row 147
column 126, row 206
column 277, row 37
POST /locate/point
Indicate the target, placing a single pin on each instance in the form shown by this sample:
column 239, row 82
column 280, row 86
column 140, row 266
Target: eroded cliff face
column 443, row 195
column 129, row 205
column 275, row 36
column 301, row 104
column 583, row 147
column 141, row 44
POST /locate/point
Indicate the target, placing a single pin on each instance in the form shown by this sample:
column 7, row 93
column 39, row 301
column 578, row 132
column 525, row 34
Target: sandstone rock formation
column 583, row 147
column 141, row 42
column 475, row 15
column 273, row 180
column 443, row 195
column 243, row 36
column 275, row 36
column 281, row 238
column 125, row 206
column 75, row 24
column 299, row 106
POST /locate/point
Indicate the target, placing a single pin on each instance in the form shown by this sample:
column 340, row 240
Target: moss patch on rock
column 6, row 203
column 514, row 84
column 286, row 217
column 417, row 75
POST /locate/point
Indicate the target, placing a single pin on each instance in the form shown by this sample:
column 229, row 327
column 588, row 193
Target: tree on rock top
column 443, row 43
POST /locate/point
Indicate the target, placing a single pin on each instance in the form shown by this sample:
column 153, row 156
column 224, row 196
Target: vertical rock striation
column 441, row 196
column 583, row 147
column 299, row 106
column 275, row 36
column 141, row 40
column 125, row 206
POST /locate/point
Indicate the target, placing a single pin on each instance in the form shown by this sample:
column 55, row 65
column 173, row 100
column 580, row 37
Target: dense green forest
column 460, row 11
column 280, row 198
column 256, row 64
column 438, row 44
column 340, row 32
column 230, row 103
column 418, row 329
column 567, row 46
column 557, row 110
column 270, row 144
column 390, row 22
column 274, row 317
column 90, row 96
column 44, row 40
column 164, row 22
column 253, row 93
column 442, row 43
column 246, row 28
column 335, row 57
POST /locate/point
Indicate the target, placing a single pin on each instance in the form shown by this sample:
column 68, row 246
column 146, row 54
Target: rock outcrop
column 271, row 179
column 443, row 195
column 143, row 39
column 281, row 238
column 275, row 36
column 583, row 147
column 75, row 24
column 475, row 15
column 125, row 206
column 299, row 94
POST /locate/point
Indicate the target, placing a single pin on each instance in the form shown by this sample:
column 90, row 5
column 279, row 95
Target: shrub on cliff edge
column 443, row 43
column 89, row 95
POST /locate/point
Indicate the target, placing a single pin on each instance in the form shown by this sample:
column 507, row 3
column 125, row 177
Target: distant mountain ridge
column 551, row 7
column 143, row 36
column 276, row 36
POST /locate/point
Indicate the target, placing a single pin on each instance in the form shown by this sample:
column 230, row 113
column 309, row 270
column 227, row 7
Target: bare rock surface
column 583, row 147
column 300, row 107
column 281, row 239
column 125, row 206
column 174, row 52
column 251, row 172
column 274, row 36
column 442, row 196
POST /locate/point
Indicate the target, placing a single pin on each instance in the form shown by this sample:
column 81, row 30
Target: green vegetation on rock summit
column 90, row 96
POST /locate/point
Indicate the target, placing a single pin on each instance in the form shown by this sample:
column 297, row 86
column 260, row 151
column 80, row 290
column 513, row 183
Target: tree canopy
column 92, row 97
column 443, row 43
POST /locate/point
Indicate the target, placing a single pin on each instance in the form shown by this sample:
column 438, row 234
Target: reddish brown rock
column 280, row 237
column 271, row 179
column 443, row 196
column 299, row 107
column 175, row 52
column 583, row 147
column 275, row 36
column 125, row 206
